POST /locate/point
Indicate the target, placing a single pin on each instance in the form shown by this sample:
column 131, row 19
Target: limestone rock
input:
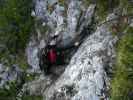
column 85, row 73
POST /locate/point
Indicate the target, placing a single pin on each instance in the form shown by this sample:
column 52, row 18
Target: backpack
column 52, row 56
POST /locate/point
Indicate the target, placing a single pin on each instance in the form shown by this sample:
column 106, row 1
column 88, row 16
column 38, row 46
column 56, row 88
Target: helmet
column 53, row 42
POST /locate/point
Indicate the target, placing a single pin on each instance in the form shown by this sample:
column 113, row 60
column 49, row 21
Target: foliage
column 15, row 24
column 21, row 61
column 9, row 93
column 29, row 77
column 102, row 6
column 106, row 6
column 123, row 77
column 126, row 6
column 11, row 90
column 8, row 60
column 2, row 2
column 126, row 10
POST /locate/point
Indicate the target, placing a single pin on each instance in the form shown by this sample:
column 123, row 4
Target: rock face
column 67, row 26
column 32, row 55
column 84, row 78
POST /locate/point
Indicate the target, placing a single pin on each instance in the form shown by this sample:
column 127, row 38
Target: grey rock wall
column 85, row 74
column 85, row 77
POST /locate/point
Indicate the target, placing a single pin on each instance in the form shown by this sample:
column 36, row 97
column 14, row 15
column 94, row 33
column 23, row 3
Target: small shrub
column 123, row 77
column 103, row 7
column 126, row 6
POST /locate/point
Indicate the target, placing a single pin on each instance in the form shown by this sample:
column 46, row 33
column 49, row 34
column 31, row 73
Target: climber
column 52, row 55
column 47, row 57
column 56, row 54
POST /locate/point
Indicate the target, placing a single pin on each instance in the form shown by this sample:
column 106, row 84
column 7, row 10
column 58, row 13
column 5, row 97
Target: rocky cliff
column 85, row 77
column 89, row 70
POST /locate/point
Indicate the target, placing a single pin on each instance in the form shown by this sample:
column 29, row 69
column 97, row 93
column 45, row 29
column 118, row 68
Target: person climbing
column 54, row 54
column 50, row 56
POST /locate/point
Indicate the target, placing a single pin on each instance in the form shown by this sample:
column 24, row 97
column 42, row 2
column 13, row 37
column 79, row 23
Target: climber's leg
column 47, row 69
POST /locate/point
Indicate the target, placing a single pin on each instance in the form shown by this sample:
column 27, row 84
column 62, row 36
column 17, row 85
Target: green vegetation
column 104, row 7
column 29, row 77
column 8, row 60
column 126, row 6
column 2, row 2
column 15, row 24
column 10, row 95
column 21, row 61
column 123, row 77
column 121, row 87
column 11, row 92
